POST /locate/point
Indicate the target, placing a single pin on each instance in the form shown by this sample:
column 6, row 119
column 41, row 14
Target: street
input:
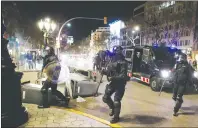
column 141, row 107
column 145, row 108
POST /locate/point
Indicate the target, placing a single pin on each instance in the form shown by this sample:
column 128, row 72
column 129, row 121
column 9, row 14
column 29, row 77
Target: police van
column 151, row 64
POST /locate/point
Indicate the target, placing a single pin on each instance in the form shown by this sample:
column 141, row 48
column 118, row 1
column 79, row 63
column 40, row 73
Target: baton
column 26, row 82
column 162, row 87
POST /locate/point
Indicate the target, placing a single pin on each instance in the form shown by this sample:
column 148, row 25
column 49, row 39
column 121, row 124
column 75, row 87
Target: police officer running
column 182, row 77
column 52, row 68
column 117, row 84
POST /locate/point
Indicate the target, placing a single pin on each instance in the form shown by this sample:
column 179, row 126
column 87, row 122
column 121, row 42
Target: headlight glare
column 165, row 73
column 195, row 74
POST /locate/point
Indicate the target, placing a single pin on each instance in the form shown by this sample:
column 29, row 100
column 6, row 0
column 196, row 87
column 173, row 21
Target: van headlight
column 195, row 74
column 165, row 73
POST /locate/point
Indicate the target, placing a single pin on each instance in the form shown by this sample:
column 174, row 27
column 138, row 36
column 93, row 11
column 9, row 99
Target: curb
column 92, row 117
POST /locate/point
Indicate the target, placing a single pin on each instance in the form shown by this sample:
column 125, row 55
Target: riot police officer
column 96, row 62
column 182, row 77
column 52, row 68
column 117, row 84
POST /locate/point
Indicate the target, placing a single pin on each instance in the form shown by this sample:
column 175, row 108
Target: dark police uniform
column 182, row 77
column 117, row 85
column 52, row 68
column 96, row 62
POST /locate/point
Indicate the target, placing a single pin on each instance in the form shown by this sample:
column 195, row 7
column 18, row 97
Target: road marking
column 92, row 117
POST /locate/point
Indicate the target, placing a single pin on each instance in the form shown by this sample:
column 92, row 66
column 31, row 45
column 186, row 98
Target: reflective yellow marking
column 92, row 117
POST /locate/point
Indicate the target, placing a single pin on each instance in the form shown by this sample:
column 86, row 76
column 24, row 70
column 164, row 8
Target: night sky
column 62, row 10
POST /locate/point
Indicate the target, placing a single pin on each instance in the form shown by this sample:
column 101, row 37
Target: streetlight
column 68, row 25
column 137, row 28
column 47, row 26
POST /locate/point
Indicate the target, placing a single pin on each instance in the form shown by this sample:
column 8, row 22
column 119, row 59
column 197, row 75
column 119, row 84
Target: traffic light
column 105, row 20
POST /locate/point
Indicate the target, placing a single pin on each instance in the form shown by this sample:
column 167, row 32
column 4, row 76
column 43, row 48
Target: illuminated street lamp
column 47, row 26
column 68, row 25
column 137, row 28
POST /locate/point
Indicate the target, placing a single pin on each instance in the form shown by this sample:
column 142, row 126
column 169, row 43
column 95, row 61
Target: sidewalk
column 60, row 117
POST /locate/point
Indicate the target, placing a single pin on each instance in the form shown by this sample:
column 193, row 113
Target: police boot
column 117, row 108
column 44, row 101
column 177, row 107
column 175, row 111
column 64, row 103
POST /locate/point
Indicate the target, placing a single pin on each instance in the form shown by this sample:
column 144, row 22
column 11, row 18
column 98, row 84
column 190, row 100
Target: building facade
column 170, row 22
column 98, row 34
column 115, row 29
column 99, row 37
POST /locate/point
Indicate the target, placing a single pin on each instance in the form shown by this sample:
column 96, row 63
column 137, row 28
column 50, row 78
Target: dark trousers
column 44, row 90
column 118, row 88
column 30, row 64
column 95, row 66
column 178, row 92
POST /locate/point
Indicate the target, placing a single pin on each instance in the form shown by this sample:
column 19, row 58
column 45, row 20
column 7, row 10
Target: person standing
column 34, row 60
column 29, row 60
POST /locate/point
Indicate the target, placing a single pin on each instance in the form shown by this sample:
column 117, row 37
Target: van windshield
column 165, row 55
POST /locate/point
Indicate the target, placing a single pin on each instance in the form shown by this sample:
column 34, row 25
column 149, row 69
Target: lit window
column 166, row 28
column 170, row 27
column 169, row 35
column 186, row 42
column 177, row 26
column 182, row 33
column 176, row 34
column 187, row 33
column 181, row 42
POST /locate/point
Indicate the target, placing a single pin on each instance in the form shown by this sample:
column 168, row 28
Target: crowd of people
column 30, row 61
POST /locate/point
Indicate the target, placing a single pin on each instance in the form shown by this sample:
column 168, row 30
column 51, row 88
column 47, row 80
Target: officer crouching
column 118, row 69
column 182, row 77
column 52, row 68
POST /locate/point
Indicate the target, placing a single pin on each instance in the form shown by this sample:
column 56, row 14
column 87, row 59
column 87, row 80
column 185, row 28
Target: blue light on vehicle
column 173, row 47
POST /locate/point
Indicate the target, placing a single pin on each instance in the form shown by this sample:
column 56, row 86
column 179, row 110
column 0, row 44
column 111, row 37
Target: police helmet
column 49, row 50
column 117, row 49
column 182, row 57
